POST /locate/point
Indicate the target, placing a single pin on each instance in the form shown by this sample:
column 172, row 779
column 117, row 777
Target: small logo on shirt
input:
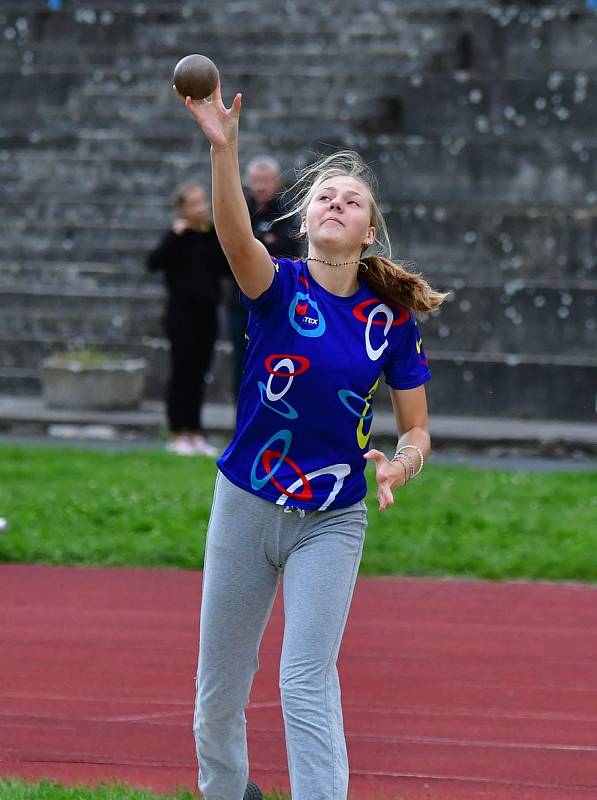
column 305, row 316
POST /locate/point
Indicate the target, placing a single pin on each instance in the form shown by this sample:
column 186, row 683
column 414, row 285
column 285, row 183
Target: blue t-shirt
column 312, row 366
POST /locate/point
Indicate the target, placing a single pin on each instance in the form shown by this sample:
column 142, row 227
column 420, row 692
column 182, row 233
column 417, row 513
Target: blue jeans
column 249, row 540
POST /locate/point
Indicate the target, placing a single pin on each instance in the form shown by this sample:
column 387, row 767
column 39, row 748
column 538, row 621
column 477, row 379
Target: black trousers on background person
column 191, row 327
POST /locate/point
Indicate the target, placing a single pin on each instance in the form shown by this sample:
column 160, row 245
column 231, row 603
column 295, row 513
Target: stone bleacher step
column 484, row 385
column 477, row 108
column 26, row 274
column 494, row 172
column 514, row 38
column 537, row 244
column 512, row 318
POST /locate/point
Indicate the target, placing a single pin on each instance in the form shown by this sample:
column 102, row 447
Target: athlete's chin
column 335, row 236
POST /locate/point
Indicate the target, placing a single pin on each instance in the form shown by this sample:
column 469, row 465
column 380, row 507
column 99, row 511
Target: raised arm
column 249, row 260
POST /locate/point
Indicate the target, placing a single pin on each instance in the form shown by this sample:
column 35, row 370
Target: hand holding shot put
column 291, row 485
column 195, row 79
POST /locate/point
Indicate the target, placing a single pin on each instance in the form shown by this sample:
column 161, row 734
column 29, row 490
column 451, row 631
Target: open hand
column 219, row 124
column 389, row 475
column 179, row 226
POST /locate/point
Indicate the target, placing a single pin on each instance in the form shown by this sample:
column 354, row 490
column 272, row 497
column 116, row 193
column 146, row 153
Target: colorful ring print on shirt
column 344, row 394
column 338, row 471
column 305, row 316
column 383, row 309
column 358, row 311
column 303, row 362
column 286, row 438
column 365, row 415
column 266, row 460
column 271, row 399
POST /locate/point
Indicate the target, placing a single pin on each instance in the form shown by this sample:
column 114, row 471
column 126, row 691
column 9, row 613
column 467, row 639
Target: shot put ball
column 196, row 76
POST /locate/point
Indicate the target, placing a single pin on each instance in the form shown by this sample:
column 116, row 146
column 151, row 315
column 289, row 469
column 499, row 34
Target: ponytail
column 395, row 284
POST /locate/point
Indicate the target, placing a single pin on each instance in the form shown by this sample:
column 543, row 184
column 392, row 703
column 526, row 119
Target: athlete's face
column 339, row 215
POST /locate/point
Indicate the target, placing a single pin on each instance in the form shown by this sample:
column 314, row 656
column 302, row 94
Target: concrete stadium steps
column 78, row 314
column 486, row 172
column 514, row 38
column 540, row 244
column 519, row 316
column 475, row 116
column 520, row 319
column 17, row 347
column 464, row 242
column 80, row 177
column 55, row 245
column 495, row 174
column 20, row 381
column 505, row 385
column 485, row 386
column 219, row 31
column 376, row 101
column 92, row 209
column 79, row 241
column 22, row 274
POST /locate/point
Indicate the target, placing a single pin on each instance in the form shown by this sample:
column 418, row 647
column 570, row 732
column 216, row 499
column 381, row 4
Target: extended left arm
column 410, row 409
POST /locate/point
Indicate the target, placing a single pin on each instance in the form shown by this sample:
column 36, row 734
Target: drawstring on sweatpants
column 290, row 509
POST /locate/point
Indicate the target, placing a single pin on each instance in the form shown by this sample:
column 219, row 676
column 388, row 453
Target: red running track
column 453, row 690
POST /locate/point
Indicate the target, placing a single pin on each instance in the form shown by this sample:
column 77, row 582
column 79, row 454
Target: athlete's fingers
column 375, row 455
column 384, row 496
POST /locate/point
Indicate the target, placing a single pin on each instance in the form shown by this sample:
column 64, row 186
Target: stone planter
column 103, row 384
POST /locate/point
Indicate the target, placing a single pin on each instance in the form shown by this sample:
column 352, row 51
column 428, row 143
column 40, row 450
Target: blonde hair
column 389, row 279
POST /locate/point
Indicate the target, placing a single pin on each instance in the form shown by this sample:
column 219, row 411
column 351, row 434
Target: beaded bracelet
column 407, row 476
column 411, row 463
column 400, row 453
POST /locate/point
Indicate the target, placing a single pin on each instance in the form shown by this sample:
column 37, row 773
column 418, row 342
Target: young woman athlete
column 290, row 488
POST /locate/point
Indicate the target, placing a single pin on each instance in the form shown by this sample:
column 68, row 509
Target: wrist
column 412, row 456
column 401, row 472
column 223, row 149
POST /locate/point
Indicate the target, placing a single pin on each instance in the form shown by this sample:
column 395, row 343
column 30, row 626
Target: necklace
column 338, row 263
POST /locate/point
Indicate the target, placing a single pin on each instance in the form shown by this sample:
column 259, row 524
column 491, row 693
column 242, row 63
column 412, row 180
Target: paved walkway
column 452, row 690
column 536, row 437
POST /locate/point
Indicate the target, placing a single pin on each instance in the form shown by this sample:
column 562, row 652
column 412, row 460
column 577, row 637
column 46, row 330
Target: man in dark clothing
column 263, row 180
column 193, row 264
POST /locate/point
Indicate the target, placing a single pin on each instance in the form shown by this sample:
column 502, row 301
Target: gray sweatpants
column 249, row 539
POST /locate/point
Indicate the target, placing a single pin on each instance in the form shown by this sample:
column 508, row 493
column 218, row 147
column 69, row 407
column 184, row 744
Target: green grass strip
column 151, row 509
column 49, row 790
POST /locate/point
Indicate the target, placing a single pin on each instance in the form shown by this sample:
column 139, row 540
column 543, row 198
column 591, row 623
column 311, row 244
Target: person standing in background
column 193, row 264
column 263, row 182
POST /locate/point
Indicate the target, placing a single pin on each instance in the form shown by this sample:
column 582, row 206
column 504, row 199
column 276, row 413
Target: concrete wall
column 479, row 119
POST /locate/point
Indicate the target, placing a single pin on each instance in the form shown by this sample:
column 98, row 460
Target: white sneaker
column 181, row 446
column 201, row 446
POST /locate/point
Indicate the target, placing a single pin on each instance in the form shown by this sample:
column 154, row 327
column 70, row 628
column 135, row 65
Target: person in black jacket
column 193, row 264
column 263, row 181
